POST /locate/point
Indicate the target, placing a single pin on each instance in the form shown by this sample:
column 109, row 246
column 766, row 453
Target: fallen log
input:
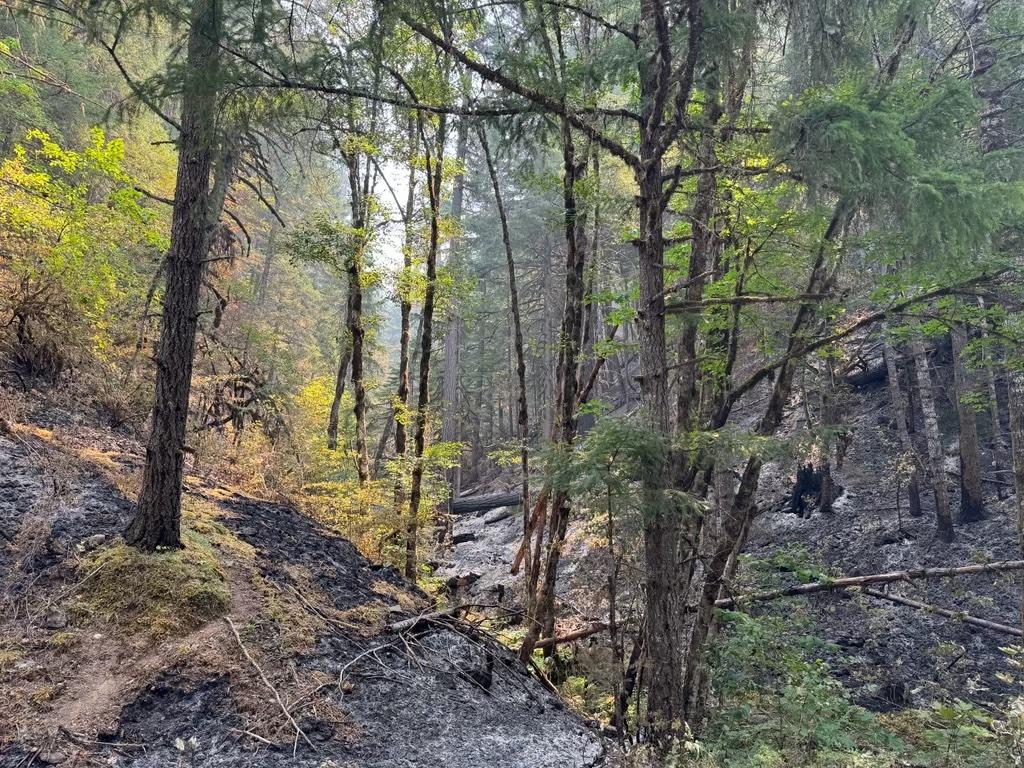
column 579, row 634
column 846, row 582
column 420, row 620
column 965, row 618
column 470, row 504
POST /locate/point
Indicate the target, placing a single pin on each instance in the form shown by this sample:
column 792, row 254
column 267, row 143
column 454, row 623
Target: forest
column 512, row 383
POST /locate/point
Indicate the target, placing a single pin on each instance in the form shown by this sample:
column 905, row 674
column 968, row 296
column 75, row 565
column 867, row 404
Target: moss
column 9, row 657
column 62, row 641
column 407, row 601
column 44, row 694
column 369, row 618
column 162, row 593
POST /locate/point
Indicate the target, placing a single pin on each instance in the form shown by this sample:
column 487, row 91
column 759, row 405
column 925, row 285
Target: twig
column 364, row 654
column 252, row 735
column 266, row 682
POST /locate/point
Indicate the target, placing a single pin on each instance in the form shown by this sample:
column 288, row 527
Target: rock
column 51, row 757
column 91, row 542
column 55, row 619
column 497, row 515
column 462, row 580
column 462, row 538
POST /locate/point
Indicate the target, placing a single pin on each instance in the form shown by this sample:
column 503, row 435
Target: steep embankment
column 109, row 655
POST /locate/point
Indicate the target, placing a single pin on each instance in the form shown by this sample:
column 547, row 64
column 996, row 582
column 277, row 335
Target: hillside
column 109, row 656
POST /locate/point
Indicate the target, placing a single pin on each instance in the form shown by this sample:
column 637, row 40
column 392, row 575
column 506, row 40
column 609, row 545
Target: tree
column 434, row 170
column 901, row 413
column 972, row 498
column 933, row 439
column 156, row 521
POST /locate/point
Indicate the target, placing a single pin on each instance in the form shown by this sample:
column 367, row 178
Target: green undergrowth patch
column 164, row 594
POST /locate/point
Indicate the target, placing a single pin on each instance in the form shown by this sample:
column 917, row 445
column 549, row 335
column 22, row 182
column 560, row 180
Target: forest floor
column 109, row 659
column 891, row 655
column 888, row 656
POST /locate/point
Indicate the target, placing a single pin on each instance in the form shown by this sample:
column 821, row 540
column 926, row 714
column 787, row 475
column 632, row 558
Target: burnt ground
column 312, row 612
column 889, row 655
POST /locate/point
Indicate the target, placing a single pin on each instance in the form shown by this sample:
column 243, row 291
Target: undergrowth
column 774, row 703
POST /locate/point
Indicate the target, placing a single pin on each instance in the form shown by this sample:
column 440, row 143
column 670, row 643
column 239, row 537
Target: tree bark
column 156, row 521
column 936, row 456
column 972, row 496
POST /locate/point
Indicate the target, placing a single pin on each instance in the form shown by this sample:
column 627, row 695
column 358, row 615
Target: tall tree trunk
column 344, row 360
column 999, row 441
column 401, row 414
column 517, row 326
column 434, row 171
column 541, row 622
column 156, row 521
column 356, row 333
column 899, row 405
column 936, row 455
column 972, row 498
column 451, row 424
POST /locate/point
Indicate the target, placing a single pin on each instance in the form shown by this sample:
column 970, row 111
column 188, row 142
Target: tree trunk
column 157, row 518
column 517, row 326
column 542, row 621
column 344, row 359
column 401, row 414
column 434, row 171
column 451, row 426
column 936, row 467
column 899, row 406
column 356, row 333
column 972, row 499
column 1017, row 460
column 999, row 441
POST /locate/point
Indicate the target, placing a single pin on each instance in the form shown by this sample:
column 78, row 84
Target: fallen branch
column 405, row 625
column 266, row 682
column 846, row 582
column 579, row 634
column 965, row 618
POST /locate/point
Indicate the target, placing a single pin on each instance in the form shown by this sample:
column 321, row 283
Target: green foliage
column 75, row 238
